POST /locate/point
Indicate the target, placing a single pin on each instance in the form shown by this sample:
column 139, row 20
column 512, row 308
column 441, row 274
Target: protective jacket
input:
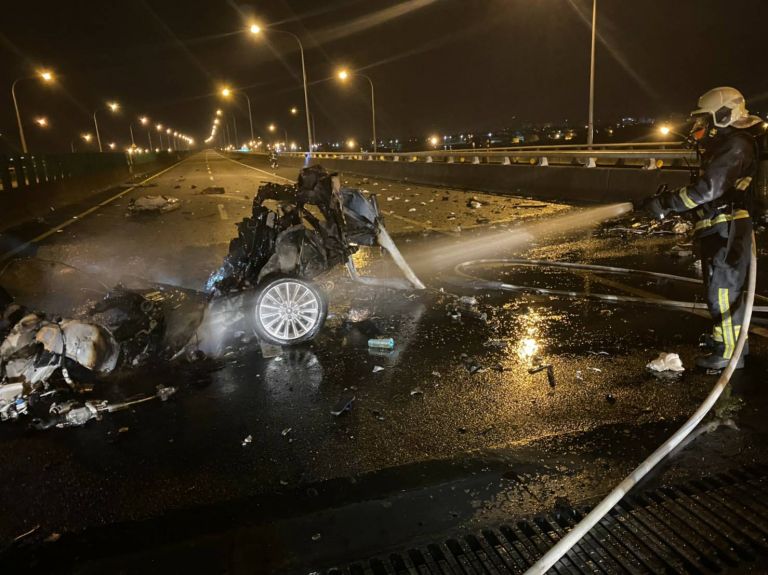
column 719, row 194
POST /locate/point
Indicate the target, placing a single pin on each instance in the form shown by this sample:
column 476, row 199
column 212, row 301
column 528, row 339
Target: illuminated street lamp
column 666, row 130
column 86, row 137
column 145, row 122
column 273, row 128
column 434, row 140
column 218, row 112
column 351, row 144
column 113, row 107
column 255, row 30
column 343, row 75
column 159, row 128
column 226, row 93
column 45, row 76
column 42, row 121
column 171, row 142
column 112, row 145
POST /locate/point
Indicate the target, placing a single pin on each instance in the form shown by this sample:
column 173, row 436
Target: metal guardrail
column 18, row 172
column 650, row 155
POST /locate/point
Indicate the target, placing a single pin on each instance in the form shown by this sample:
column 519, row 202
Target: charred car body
column 278, row 253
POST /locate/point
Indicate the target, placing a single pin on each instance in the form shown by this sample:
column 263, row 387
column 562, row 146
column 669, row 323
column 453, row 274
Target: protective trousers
column 725, row 261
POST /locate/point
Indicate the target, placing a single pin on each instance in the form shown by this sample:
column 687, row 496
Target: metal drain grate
column 707, row 526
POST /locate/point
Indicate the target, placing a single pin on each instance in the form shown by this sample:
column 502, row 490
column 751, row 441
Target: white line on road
column 258, row 170
column 80, row 216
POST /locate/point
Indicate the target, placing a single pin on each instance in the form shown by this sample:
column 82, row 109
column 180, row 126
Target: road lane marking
column 78, row 217
column 258, row 170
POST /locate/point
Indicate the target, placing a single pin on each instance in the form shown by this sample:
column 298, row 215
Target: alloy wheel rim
column 288, row 310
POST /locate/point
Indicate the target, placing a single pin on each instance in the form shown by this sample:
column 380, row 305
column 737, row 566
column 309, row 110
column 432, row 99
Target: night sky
column 439, row 66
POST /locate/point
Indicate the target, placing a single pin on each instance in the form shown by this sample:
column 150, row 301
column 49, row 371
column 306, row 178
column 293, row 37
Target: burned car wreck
column 266, row 279
column 277, row 253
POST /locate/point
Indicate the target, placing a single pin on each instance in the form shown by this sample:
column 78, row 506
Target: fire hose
column 604, row 507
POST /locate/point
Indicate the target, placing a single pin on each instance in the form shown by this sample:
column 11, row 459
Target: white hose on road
column 480, row 283
column 601, row 510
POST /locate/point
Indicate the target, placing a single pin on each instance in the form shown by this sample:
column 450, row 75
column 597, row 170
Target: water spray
column 447, row 252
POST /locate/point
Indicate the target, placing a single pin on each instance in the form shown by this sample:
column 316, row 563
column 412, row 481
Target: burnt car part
column 278, row 252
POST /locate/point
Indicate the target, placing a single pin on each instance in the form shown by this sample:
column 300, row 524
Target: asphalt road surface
column 453, row 431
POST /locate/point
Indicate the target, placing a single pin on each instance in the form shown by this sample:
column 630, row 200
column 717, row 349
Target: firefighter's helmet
column 726, row 107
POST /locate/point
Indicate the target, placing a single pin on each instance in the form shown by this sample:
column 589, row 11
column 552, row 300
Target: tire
column 288, row 311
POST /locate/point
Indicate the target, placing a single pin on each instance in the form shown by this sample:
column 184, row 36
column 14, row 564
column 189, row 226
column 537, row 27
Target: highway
column 455, row 431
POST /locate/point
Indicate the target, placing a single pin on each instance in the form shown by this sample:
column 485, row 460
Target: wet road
column 453, row 430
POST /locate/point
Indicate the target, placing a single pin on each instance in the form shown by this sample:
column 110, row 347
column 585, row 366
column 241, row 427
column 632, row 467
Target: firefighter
column 719, row 199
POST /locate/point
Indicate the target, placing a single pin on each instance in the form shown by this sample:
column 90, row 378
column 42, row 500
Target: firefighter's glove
column 653, row 207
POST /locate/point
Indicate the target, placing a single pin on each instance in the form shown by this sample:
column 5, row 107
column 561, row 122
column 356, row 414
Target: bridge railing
column 19, row 172
column 31, row 170
column 646, row 155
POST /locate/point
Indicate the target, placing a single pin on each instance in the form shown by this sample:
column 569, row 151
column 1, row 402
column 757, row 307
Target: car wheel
column 289, row 311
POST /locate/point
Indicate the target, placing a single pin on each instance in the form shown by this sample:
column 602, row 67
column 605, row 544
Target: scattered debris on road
column 357, row 314
column 666, row 362
column 381, row 343
column 63, row 358
column 343, row 405
column 550, row 373
column 153, row 204
column 212, row 190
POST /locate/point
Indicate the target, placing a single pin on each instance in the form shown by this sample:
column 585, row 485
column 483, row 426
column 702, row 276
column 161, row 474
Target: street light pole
column 255, row 29
column 250, row 117
column 114, row 107
column 373, row 112
column 133, row 143
column 591, row 124
column 18, row 116
column 96, row 125
column 46, row 76
column 343, row 75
